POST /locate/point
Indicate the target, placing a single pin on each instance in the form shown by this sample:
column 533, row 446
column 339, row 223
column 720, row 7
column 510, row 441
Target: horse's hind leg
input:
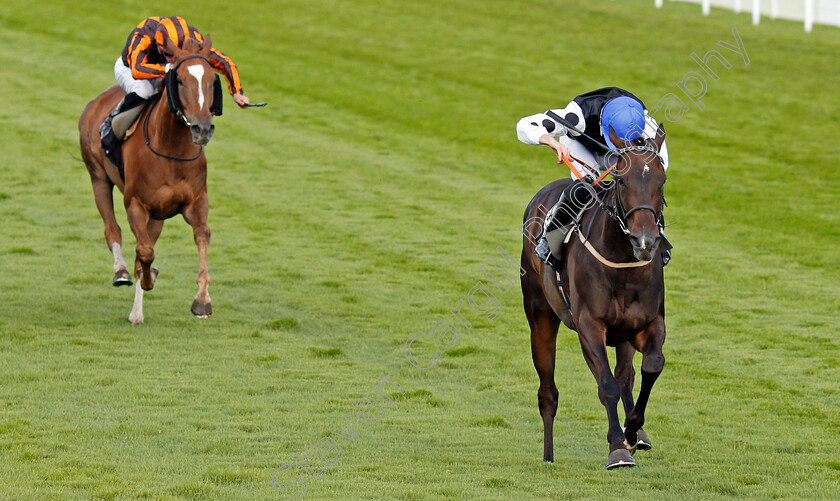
column 544, row 324
column 103, row 193
column 543, row 346
column 196, row 216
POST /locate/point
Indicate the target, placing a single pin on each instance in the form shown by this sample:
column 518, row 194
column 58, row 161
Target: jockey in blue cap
column 585, row 134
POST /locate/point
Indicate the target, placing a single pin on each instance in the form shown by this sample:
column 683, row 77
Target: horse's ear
column 206, row 45
column 660, row 137
column 192, row 46
column 615, row 139
column 173, row 49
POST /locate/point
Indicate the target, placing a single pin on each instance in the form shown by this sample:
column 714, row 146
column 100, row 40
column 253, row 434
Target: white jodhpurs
column 144, row 88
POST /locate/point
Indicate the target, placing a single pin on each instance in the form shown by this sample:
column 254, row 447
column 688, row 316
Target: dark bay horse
column 165, row 170
column 617, row 300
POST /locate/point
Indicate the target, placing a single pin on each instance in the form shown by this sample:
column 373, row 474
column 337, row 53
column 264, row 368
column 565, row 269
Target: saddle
column 125, row 123
column 123, row 126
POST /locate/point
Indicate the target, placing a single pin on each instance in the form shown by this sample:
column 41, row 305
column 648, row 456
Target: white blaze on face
column 646, row 170
column 197, row 71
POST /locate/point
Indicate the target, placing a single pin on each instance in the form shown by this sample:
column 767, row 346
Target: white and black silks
column 584, row 113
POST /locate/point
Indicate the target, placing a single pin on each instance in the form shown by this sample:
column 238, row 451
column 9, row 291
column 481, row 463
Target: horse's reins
column 568, row 159
column 164, row 155
column 179, row 114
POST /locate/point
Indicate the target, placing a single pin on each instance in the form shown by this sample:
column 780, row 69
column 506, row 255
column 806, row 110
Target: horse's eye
column 180, row 82
column 620, row 181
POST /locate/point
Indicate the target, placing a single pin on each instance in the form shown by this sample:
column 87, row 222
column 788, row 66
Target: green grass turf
column 358, row 209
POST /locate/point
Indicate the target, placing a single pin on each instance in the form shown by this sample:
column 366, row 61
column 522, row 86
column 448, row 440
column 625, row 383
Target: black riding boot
column 110, row 143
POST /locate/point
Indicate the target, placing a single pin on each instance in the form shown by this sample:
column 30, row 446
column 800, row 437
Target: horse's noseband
column 640, row 207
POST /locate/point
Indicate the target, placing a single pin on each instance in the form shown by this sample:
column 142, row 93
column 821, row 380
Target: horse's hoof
column 620, row 458
column 139, row 276
column 643, row 443
column 139, row 273
column 122, row 277
column 201, row 310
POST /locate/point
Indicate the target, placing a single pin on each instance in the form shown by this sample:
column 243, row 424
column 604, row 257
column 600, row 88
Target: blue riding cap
column 627, row 118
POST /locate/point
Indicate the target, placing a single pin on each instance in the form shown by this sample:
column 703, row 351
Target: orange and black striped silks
column 144, row 48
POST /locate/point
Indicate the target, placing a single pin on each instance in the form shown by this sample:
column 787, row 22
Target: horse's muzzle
column 202, row 132
column 644, row 246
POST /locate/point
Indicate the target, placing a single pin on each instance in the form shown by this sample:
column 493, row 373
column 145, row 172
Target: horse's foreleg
column 544, row 324
column 138, row 219
column 153, row 229
column 196, row 216
column 625, row 374
column 649, row 342
column 592, row 335
column 103, row 193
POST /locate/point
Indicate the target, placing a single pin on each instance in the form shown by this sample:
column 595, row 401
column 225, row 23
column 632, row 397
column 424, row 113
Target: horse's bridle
column 177, row 106
column 178, row 112
column 616, row 210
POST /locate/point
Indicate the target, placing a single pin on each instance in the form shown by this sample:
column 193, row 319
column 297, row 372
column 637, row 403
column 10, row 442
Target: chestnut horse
column 165, row 169
column 617, row 300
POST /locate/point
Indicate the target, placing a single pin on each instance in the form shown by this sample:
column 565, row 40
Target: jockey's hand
column 242, row 100
column 560, row 149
